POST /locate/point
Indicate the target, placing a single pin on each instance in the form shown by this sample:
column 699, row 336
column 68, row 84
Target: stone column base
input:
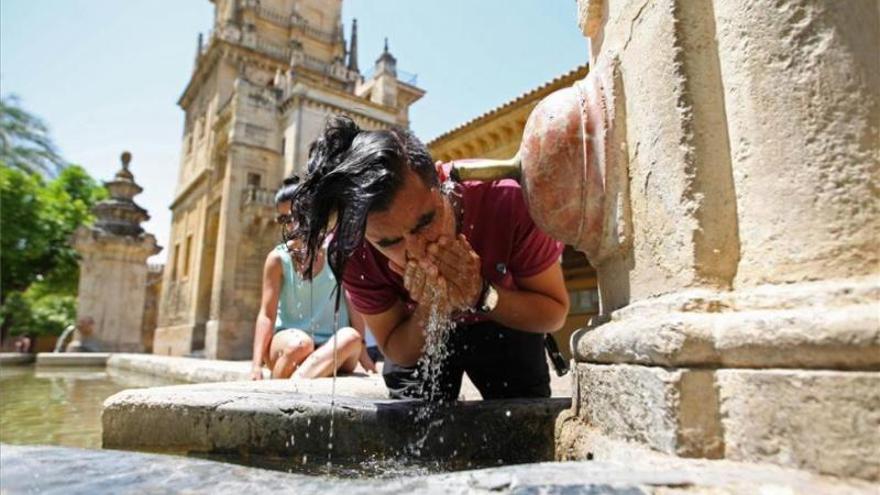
column 823, row 421
column 780, row 374
column 229, row 339
column 814, row 325
column 175, row 340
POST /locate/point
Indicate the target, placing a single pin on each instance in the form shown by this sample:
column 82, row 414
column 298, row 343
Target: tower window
column 254, row 179
column 186, row 255
column 174, row 268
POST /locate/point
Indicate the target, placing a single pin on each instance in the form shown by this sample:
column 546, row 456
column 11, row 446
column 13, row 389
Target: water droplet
column 330, row 445
column 305, row 459
column 507, row 413
column 362, row 276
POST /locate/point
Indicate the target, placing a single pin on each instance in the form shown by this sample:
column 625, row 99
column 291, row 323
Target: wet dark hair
column 288, row 187
column 352, row 173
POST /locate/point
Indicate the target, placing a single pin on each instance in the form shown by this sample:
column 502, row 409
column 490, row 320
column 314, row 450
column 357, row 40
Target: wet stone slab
column 271, row 420
column 15, row 358
column 72, row 358
column 60, row 470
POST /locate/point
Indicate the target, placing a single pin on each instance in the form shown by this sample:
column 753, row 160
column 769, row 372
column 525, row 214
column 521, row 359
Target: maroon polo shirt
column 496, row 222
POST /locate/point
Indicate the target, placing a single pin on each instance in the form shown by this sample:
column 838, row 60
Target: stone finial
column 119, row 214
column 386, row 61
column 199, row 46
column 124, row 173
column 352, row 50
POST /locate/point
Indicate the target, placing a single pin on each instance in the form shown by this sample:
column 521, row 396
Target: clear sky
column 106, row 74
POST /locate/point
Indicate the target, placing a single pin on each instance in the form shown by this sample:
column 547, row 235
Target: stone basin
column 269, row 418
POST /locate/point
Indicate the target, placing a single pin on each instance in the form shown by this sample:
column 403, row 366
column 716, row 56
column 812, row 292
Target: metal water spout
column 563, row 164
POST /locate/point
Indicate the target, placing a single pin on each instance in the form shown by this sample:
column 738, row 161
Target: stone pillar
column 113, row 270
column 742, row 321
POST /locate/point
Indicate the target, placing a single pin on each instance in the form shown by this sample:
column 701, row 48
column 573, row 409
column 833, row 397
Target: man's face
column 418, row 215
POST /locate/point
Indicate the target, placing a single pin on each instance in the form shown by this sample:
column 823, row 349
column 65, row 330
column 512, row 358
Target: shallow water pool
column 62, row 406
column 59, row 405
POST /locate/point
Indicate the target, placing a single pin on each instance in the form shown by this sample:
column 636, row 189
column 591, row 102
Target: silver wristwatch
column 488, row 299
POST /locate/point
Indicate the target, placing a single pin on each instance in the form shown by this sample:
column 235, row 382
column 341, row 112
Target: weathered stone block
column 673, row 411
column 173, row 340
column 818, row 325
column 825, row 421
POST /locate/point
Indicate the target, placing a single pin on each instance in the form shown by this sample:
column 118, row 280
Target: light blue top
column 308, row 306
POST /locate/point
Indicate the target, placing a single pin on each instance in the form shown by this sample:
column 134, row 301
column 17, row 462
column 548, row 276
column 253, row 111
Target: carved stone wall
column 742, row 323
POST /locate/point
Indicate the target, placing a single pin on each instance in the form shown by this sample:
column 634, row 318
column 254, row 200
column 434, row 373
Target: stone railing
column 410, row 78
column 267, row 47
column 313, row 32
column 292, row 20
column 252, row 195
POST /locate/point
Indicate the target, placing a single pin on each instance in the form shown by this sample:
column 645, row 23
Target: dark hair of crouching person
column 352, row 173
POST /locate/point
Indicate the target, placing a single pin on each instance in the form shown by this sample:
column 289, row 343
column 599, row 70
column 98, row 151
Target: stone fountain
column 114, row 268
column 726, row 156
column 718, row 168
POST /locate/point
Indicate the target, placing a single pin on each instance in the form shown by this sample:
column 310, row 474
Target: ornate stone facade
column 113, row 270
column 264, row 83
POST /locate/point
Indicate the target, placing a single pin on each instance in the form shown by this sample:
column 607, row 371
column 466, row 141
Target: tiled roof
column 577, row 73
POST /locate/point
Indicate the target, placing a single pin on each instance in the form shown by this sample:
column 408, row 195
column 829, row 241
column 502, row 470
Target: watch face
column 491, row 300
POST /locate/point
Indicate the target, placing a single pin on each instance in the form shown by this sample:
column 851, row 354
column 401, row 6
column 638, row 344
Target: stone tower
column 114, row 265
column 263, row 85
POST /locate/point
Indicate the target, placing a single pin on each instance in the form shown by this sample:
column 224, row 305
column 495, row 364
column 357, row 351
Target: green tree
column 24, row 237
column 24, row 141
column 68, row 201
column 40, row 272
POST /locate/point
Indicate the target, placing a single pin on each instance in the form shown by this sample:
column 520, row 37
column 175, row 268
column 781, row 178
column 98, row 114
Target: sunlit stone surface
column 63, row 470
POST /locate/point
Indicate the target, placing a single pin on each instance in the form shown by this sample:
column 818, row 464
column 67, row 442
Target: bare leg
column 320, row 363
column 289, row 348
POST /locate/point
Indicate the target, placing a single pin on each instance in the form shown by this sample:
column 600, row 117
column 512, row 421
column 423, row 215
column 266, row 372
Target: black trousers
column 503, row 363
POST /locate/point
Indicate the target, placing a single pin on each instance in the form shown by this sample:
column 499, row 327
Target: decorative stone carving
column 113, row 270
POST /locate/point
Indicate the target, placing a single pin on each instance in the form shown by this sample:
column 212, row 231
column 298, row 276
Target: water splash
column 429, row 369
column 333, row 391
